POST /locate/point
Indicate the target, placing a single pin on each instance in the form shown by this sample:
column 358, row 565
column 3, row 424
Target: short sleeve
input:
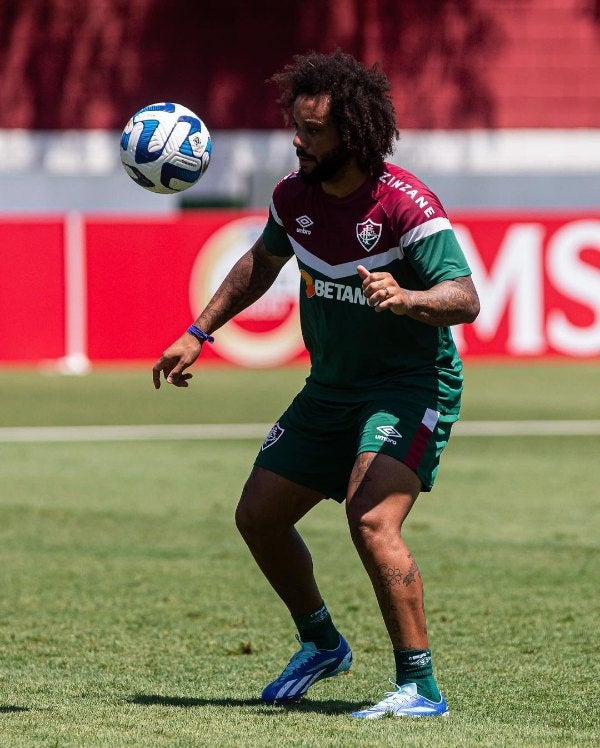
column 275, row 239
column 437, row 258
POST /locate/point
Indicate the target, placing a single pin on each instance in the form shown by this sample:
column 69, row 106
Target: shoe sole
column 387, row 715
column 423, row 716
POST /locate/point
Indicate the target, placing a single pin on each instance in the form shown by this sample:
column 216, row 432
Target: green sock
column 414, row 666
column 318, row 627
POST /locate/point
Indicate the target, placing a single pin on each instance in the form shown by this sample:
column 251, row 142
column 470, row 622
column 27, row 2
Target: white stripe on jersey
column 371, row 262
column 425, row 229
column 275, row 214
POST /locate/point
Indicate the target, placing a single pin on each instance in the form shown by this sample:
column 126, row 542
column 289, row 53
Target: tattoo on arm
column 251, row 276
column 449, row 303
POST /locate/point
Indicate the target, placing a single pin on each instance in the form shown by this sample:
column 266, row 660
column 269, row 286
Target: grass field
column 131, row 613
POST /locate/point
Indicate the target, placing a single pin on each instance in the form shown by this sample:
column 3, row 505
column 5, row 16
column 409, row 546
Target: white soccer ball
column 165, row 148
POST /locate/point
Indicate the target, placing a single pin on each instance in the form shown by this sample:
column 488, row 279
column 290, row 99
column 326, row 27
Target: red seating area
column 454, row 64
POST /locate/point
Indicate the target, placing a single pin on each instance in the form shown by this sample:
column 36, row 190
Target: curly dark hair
column 361, row 103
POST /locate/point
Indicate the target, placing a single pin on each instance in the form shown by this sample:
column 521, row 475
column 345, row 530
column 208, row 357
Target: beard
column 330, row 165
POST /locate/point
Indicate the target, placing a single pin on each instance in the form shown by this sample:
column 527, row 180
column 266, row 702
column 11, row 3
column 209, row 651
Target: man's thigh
column 269, row 499
column 381, row 492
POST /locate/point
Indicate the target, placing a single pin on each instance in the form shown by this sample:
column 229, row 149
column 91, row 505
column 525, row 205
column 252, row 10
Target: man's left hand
column 382, row 292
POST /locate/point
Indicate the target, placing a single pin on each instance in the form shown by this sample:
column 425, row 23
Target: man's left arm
column 449, row 302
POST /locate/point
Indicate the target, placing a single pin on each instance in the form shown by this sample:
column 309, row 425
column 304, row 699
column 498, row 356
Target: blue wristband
column 200, row 334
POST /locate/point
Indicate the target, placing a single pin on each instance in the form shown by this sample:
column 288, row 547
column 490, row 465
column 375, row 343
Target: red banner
column 121, row 289
column 32, row 289
column 538, row 278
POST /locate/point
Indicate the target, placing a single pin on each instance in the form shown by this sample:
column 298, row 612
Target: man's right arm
column 251, row 276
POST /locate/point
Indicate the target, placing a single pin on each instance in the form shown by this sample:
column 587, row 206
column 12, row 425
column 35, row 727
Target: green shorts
column 315, row 442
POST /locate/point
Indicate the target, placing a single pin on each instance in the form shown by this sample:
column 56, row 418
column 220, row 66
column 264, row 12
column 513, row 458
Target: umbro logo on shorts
column 386, row 434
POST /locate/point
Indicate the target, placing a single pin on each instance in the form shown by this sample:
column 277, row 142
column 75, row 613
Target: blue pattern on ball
column 170, row 171
column 166, row 106
column 195, row 126
column 142, row 154
column 165, row 147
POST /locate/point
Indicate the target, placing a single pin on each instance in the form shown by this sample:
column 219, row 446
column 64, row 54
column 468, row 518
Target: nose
column 297, row 142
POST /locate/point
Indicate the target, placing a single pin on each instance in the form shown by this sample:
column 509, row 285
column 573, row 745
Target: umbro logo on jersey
column 368, row 233
column 304, row 222
column 274, row 434
column 386, row 434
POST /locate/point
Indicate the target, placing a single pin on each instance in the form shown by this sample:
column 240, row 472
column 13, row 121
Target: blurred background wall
column 498, row 105
column 498, row 101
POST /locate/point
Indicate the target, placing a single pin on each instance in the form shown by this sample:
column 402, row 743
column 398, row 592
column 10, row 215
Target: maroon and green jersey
column 392, row 223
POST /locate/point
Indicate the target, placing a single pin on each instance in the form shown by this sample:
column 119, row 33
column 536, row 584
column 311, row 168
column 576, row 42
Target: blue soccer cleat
column 306, row 667
column 404, row 702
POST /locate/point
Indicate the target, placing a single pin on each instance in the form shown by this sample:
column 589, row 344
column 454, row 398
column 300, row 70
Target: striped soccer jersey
column 392, row 223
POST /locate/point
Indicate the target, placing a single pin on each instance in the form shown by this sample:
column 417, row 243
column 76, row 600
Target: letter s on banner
column 577, row 280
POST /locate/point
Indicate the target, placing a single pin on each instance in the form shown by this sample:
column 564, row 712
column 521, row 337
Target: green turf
column 229, row 396
column 128, row 397
column 131, row 614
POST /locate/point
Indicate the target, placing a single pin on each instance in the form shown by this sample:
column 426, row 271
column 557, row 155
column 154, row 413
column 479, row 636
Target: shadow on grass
column 328, row 706
column 6, row 709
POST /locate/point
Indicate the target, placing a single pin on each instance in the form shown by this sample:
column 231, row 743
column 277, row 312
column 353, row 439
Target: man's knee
column 259, row 511
column 248, row 519
column 270, row 504
column 369, row 529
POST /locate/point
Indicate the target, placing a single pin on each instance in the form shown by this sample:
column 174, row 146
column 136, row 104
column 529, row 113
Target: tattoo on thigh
column 361, row 466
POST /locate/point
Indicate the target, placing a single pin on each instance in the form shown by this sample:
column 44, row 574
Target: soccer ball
column 165, row 148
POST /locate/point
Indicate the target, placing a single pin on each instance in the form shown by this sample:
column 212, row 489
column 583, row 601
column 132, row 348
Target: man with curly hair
column 382, row 280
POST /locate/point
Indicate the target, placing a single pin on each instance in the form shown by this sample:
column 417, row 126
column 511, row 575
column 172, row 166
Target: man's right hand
column 175, row 360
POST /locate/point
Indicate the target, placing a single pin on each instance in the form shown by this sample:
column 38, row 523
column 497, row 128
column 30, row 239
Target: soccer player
column 382, row 277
